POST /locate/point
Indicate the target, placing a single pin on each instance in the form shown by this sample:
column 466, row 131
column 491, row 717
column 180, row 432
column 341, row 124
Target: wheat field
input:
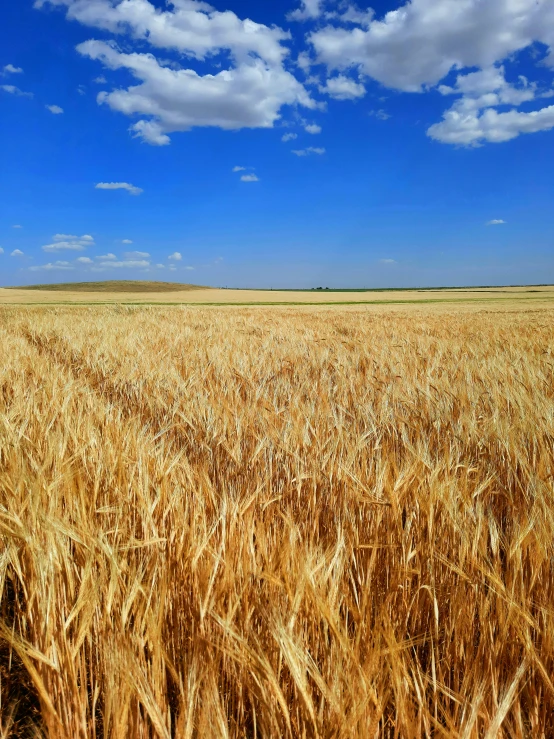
column 264, row 523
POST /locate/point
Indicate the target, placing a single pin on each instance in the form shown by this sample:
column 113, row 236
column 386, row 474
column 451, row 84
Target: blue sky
column 282, row 144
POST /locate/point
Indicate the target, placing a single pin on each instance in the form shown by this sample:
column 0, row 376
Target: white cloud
column 172, row 267
column 308, row 10
column 249, row 178
column 160, row 266
column 289, row 137
column 101, row 80
column 342, row 87
column 470, row 128
column 69, row 242
column 309, row 150
column 495, row 222
column 191, row 269
column 11, row 69
column 249, row 93
column 418, row 44
column 52, row 266
column 126, row 241
column 176, row 256
column 13, row 90
column 1, row 250
column 84, row 260
column 16, row 253
column 413, row 48
column 63, row 246
column 136, row 254
column 239, row 169
column 381, row 115
column 119, row 186
column 17, row 226
column 105, row 257
column 388, row 261
column 312, row 128
column 125, row 263
column 55, row 109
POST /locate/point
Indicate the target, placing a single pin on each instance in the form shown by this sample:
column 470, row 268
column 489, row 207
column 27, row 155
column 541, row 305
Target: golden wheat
column 276, row 523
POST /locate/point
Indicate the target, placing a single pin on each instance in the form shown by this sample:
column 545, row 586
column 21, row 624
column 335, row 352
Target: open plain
column 278, row 522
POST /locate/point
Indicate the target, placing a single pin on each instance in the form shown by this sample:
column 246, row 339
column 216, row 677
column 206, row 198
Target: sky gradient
column 283, row 144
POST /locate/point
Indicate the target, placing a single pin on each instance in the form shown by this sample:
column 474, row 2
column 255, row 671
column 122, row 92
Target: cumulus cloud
column 126, row 241
column 413, row 48
column 308, row 10
column 176, row 256
column 11, row 69
column 13, row 90
column 55, row 109
column 16, row 253
column 52, row 266
column 418, row 44
column 495, row 222
column 312, row 128
column 289, row 137
column 84, row 260
column 69, row 242
column 472, row 128
column 342, row 87
column 309, row 150
column 249, row 93
column 249, row 178
column 119, row 186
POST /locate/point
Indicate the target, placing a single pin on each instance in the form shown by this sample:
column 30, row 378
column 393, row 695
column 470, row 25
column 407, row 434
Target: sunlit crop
column 265, row 522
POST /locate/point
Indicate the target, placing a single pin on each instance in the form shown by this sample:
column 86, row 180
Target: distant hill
column 115, row 286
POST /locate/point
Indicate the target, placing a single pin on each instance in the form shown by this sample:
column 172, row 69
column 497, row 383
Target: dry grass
column 523, row 298
column 276, row 523
column 113, row 286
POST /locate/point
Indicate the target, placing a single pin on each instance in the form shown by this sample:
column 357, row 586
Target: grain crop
column 264, row 523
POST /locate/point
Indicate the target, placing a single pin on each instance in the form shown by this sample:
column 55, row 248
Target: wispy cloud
column 381, row 115
column 1, row 250
column 388, row 261
column 126, row 241
column 133, row 189
column 55, row 109
column 105, row 257
column 69, row 242
column 17, row 225
column 495, row 222
column 52, row 266
column 125, row 263
column 309, row 150
column 249, row 178
column 11, row 69
column 289, row 137
column 136, row 254
column 312, row 128
column 239, row 169
column 13, row 90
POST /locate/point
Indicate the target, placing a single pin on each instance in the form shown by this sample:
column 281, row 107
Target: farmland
column 278, row 521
